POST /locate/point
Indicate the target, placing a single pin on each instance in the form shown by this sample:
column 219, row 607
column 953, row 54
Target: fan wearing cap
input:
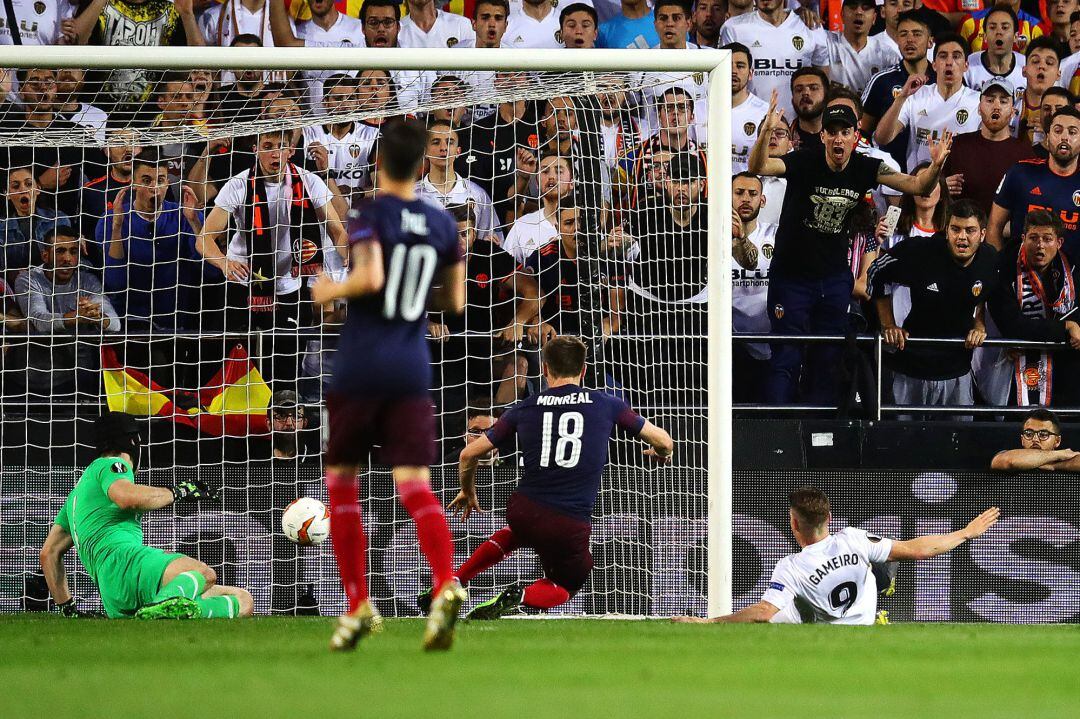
column 855, row 55
column 810, row 279
column 101, row 519
column 980, row 159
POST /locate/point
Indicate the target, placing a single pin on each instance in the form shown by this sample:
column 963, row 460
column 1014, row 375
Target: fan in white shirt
column 443, row 187
column 854, row 55
column 381, row 20
column 673, row 24
column 231, row 207
column 532, row 231
column 427, row 26
column 834, row 580
column 221, row 24
column 69, row 82
column 928, row 111
column 343, row 149
column 890, row 12
column 536, row 24
column 780, row 42
column 38, row 21
column 998, row 61
column 326, row 28
column 774, row 188
column 752, row 245
column 747, row 109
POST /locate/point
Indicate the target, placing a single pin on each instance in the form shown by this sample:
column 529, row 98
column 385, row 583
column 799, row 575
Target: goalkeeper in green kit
column 100, row 518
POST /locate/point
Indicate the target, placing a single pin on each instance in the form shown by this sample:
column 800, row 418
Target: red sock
column 545, row 594
column 347, row 533
column 431, row 529
column 488, row 554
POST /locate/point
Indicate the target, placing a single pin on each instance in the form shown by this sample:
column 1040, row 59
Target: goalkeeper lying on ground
column 100, row 518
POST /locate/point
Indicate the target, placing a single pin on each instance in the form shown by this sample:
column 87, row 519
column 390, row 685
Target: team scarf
column 1034, row 370
column 307, row 255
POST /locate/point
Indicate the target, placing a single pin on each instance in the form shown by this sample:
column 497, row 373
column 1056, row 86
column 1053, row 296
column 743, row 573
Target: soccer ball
column 306, row 521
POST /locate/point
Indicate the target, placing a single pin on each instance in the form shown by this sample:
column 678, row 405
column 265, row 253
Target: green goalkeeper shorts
column 129, row 576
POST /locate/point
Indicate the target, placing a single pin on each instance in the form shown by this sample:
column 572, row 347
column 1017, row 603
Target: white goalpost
column 643, row 277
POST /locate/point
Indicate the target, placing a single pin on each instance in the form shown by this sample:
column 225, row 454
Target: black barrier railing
column 880, row 409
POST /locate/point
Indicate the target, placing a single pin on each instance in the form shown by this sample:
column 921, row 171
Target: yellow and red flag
column 232, row 404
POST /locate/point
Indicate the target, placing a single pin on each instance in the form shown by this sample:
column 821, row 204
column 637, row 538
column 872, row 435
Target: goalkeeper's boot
column 882, row 617
column 439, row 633
column 171, row 608
column 351, row 628
column 424, row 599
column 504, row 602
column 885, row 576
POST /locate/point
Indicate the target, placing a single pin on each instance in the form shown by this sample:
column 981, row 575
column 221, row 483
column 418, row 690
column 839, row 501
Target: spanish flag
column 232, row 404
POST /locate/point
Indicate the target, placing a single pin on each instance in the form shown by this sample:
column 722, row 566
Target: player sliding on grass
column 831, row 579
column 563, row 434
column 379, row 393
column 101, row 520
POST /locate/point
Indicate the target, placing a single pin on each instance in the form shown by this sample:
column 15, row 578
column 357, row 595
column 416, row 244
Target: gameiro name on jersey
column 563, row 436
column 382, row 351
column 829, row 581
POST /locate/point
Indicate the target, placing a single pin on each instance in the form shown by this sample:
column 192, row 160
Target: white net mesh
column 134, row 279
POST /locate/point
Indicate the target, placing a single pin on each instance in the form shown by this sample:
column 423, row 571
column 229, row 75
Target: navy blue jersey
column 878, row 97
column 1031, row 185
column 382, row 351
column 563, row 436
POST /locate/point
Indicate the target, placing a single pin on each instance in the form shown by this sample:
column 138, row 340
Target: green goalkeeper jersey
column 95, row 522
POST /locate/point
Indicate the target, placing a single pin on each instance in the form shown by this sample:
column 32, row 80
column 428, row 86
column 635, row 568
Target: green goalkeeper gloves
column 193, row 489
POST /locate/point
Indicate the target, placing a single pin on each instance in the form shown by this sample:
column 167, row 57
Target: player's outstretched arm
column 466, row 501
column 1021, row 460
column 754, row 614
column 128, row 495
column 932, row 545
column 56, row 545
column 661, row 445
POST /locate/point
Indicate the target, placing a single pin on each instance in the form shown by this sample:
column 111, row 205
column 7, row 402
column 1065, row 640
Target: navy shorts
column 560, row 541
column 403, row 428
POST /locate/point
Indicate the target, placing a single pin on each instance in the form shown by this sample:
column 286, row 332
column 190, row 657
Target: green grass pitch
column 270, row 667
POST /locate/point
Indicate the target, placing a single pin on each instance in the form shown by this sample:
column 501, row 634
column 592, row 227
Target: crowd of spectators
column 582, row 214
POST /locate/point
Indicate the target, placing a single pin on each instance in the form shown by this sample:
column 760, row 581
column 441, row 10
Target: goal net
column 164, row 224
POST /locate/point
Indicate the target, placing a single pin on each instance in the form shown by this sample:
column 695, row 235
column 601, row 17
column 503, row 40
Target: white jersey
column 347, row 31
column 777, row 51
column 695, row 84
column 522, row 31
column 1069, row 68
column 829, row 581
column 977, row 76
column 528, row 234
column 750, row 290
column 449, row 30
column 880, row 192
column 349, row 156
column 926, row 115
column 774, row 189
column 233, row 198
column 854, row 68
column 220, row 24
column 462, row 193
column 889, row 43
column 745, row 121
column 38, row 21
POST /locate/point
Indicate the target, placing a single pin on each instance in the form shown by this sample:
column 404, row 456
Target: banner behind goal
column 164, row 222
